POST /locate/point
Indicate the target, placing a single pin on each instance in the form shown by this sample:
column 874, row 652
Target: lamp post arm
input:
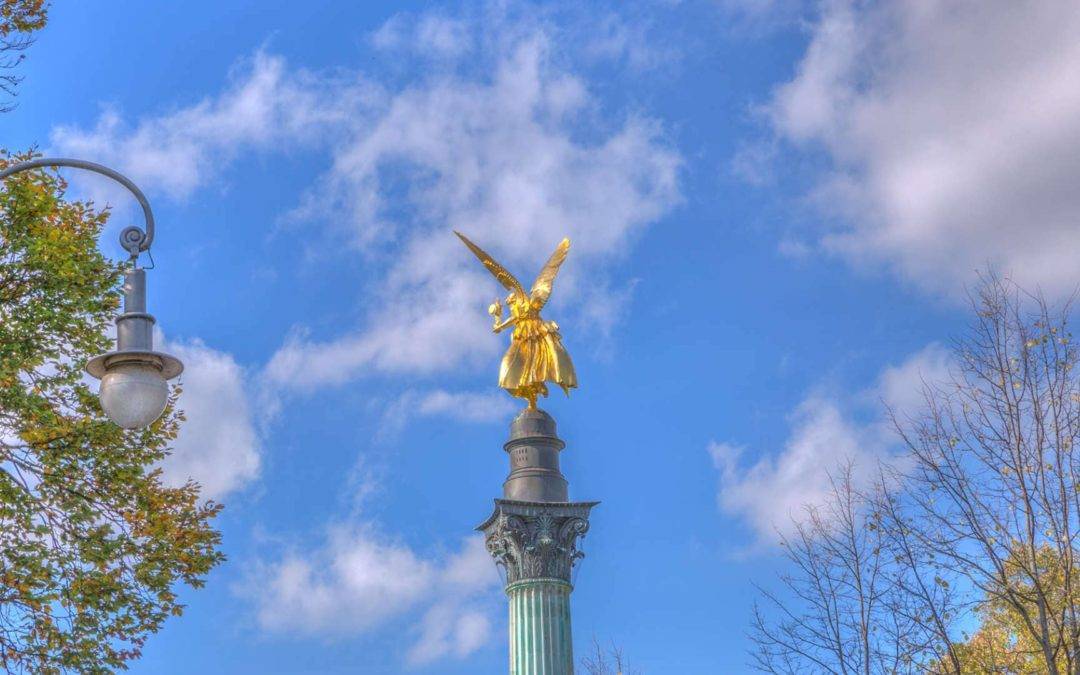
column 134, row 239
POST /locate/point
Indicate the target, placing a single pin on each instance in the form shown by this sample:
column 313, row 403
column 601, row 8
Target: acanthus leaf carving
column 537, row 544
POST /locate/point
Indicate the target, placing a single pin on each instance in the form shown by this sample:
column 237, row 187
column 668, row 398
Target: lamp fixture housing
column 134, row 389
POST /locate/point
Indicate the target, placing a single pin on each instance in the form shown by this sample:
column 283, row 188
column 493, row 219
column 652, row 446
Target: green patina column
column 533, row 536
column 540, row 638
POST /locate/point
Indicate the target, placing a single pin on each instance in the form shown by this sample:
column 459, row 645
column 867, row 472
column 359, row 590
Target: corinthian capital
column 536, row 540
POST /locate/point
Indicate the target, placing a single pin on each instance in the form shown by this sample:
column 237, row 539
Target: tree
column 976, row 523
column 919, row 595
column 19, row 19
column 993, row 494
column 607, row 662
column 92, row 545
column 836, row 611
column 1001, row 644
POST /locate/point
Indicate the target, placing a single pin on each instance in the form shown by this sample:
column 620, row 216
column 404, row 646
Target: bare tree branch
column 610, row 661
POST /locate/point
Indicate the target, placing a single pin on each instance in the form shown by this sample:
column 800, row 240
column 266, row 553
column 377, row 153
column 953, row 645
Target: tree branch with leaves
column 19, row 20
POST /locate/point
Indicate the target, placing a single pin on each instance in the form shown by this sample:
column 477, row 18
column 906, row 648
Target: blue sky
column 774, row 207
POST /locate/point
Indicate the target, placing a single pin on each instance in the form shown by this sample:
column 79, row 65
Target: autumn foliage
column 19, row 20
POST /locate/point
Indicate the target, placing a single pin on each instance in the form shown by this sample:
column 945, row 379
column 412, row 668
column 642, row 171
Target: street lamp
column 133, row 390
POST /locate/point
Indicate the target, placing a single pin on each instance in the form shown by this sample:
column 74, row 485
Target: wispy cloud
column 463, row 406
column 501, row 142
column 506, row 155
column 356, row 578
column 459, row 622
column 432, row 34
column 264, row 106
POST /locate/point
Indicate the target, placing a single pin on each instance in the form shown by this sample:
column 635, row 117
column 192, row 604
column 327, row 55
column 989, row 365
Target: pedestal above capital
column 536, row 540
column 533, row 449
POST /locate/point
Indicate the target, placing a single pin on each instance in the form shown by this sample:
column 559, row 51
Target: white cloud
column 218, row 445
column 628, row 37
column 760, row 16
column 265, row 104
column 901, row 387
column 430, row 34
column 448, row 630
column 773, row 491
column 360, row 581
column 469, row 406
column 459, row 623
column 634, row 42
column 463, row 406
column 422, row 330
column 826, row 433
column 951, row 130
column 355, row 582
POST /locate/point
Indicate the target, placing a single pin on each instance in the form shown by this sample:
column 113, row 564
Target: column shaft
column 540, row 637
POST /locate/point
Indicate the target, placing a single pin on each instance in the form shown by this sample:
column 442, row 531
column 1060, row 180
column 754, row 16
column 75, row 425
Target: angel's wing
column 541, row 288
column 500, row 273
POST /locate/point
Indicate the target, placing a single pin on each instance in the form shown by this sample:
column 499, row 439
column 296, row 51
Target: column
column 533, row 536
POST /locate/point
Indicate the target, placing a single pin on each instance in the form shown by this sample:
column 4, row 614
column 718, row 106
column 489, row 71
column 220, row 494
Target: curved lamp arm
column 133, row 239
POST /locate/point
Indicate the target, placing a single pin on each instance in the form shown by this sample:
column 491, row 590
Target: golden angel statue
column 536, row 354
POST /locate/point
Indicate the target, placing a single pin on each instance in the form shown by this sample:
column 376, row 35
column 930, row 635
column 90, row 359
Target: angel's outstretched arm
column 500, row 327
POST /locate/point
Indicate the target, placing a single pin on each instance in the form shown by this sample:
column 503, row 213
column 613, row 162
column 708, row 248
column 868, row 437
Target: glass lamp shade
column 133, row 395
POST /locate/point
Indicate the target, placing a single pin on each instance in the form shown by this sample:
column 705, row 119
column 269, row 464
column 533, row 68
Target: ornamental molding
column 536, row 540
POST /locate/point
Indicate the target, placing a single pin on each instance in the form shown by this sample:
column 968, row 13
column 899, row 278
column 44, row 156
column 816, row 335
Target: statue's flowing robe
column 536, row 355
